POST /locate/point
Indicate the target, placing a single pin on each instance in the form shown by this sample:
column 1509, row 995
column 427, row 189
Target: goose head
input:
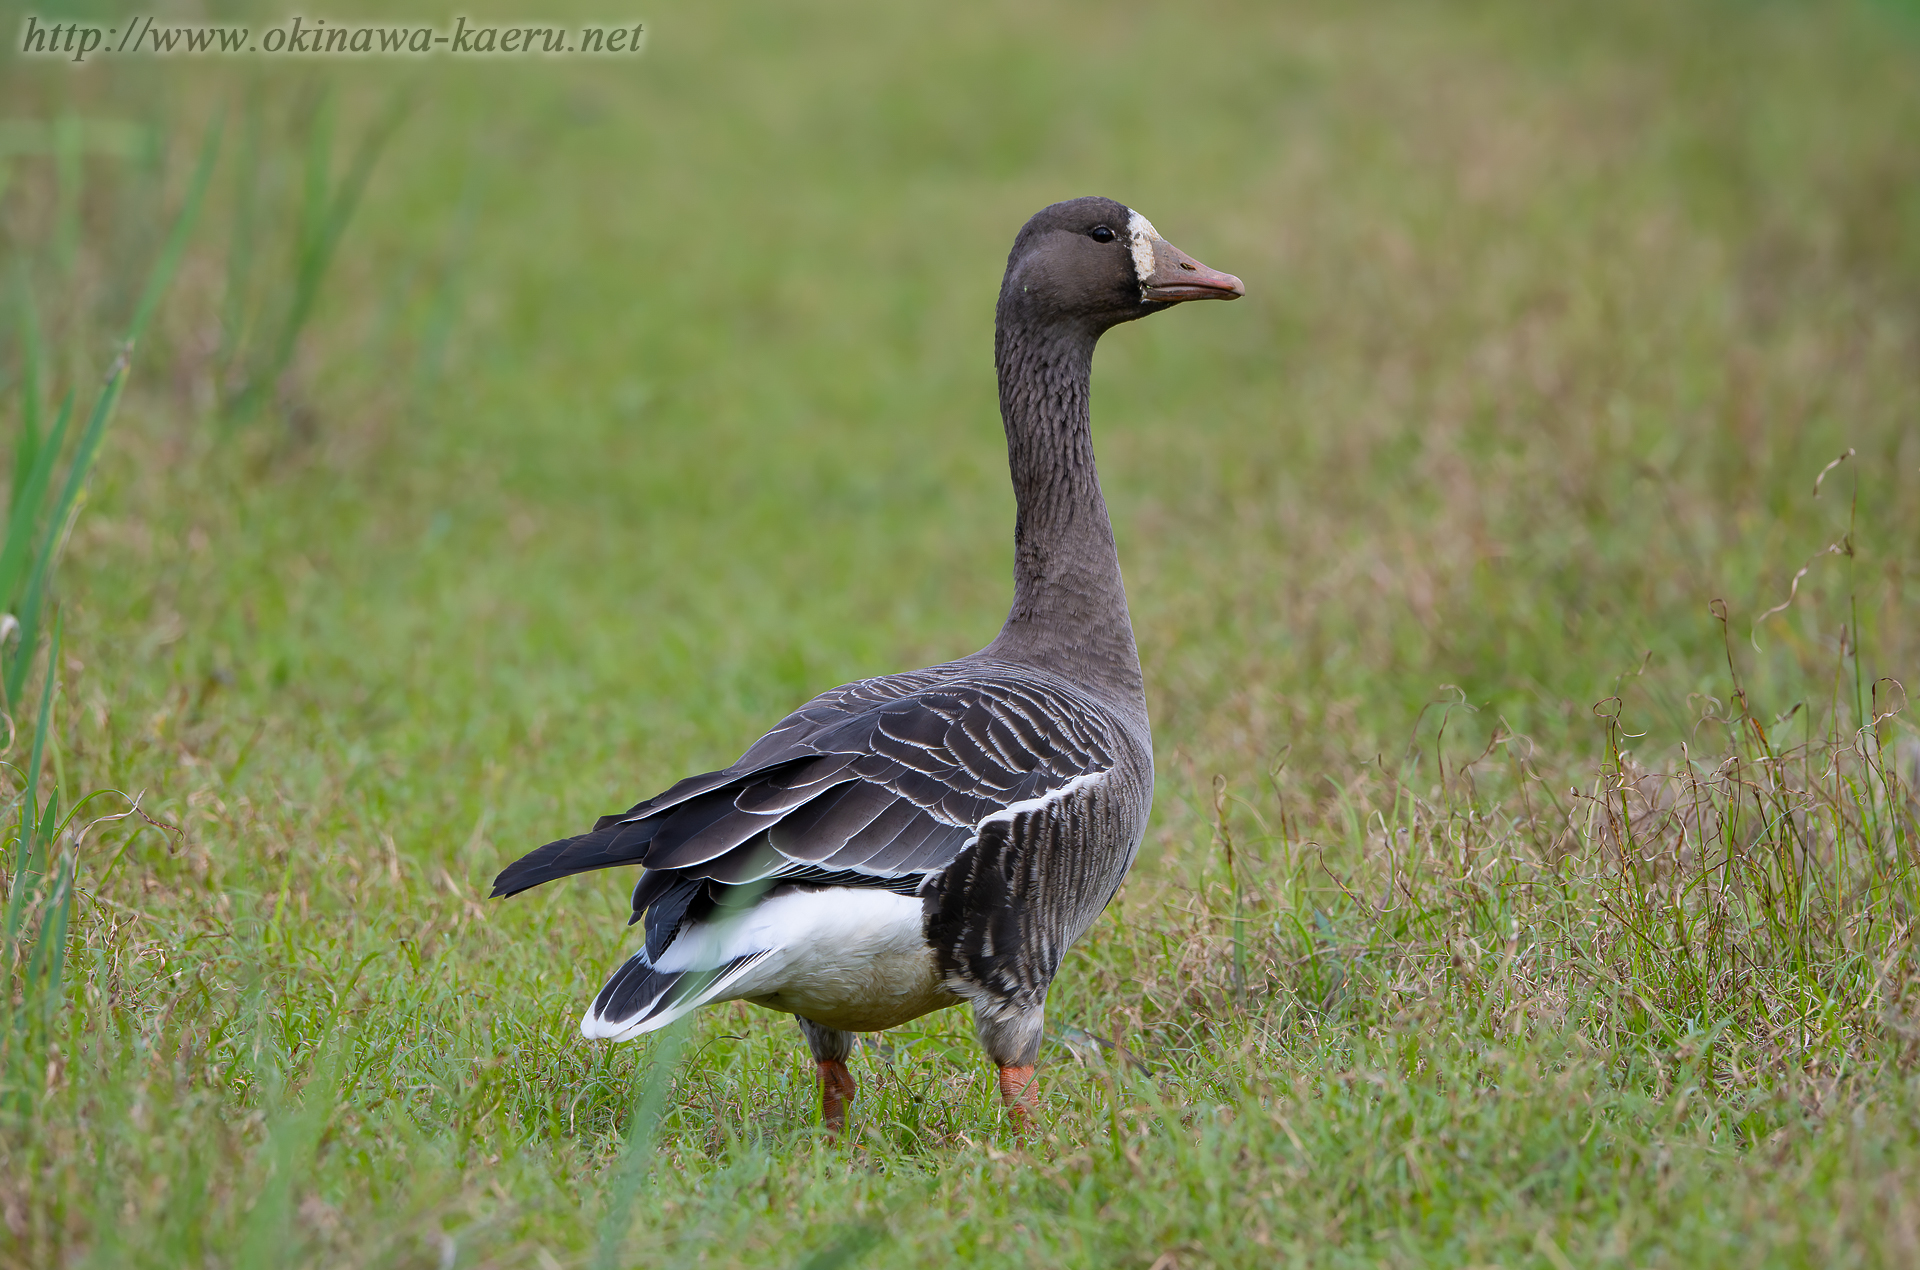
column 1095, row 263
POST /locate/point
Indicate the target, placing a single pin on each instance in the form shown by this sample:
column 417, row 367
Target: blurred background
column 634, row 398
column 518, row 434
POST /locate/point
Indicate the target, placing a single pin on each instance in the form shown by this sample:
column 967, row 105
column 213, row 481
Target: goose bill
column 1178, row 276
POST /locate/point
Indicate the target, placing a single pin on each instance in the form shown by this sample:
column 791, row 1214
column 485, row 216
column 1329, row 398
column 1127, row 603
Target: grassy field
column 1526, row 885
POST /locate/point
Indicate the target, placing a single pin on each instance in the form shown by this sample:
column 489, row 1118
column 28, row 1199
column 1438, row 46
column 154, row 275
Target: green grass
column 628, row 403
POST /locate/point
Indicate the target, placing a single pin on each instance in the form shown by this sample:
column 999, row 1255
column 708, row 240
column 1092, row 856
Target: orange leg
column 837, row 1086
column 1017, row 1090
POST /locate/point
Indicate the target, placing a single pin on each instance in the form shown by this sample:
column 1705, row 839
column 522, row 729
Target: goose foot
column 837, row 1088
column 1018, row 1092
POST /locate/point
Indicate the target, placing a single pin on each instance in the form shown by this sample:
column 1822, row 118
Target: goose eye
column 1101, row 234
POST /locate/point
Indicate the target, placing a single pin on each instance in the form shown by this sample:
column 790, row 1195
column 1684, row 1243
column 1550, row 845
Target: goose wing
column 878, row 783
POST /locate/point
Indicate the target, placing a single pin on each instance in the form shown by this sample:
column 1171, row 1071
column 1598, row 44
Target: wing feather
column 751, row 861
column 818, row 832
column 875, row 837
column 925, row 845
column 703, row 828
column 787, row 789
column 883, row 781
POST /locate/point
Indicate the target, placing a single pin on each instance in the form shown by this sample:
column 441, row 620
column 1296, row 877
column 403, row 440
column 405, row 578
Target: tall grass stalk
column 33, row 945
column 327, row 206
column 35, row 529
column 41, row 880
column 650, row 1092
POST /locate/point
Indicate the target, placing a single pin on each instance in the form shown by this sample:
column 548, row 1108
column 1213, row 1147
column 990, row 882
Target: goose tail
column 642, row 998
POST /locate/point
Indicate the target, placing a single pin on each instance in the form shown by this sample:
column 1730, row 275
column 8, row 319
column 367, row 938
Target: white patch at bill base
column 1141, row 238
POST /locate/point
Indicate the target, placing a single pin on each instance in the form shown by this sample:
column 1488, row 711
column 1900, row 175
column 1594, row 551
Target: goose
column 918, row 840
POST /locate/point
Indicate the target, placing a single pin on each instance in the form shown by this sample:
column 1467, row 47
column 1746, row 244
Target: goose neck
column 1069, row 613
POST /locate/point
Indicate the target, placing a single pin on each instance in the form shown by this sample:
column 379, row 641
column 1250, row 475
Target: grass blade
column 27, row 450
column 648, row 1110
column 160, row 277
column 28, row 500
column 66, row 506
column 30, row 818
column 323, row 222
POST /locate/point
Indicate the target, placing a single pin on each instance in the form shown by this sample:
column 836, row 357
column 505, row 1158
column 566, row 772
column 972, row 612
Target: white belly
column 852, row 958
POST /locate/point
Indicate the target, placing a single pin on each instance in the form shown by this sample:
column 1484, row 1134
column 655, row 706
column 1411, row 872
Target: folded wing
column 879, row 783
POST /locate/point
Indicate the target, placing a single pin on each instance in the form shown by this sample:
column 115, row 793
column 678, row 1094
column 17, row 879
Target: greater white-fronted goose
column 917, row 840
